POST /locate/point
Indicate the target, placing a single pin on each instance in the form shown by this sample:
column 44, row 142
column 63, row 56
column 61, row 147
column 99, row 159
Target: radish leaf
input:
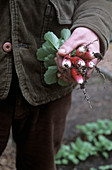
column 50, row 49
column 41, row 54
column 50, row 76
column 49, row 61
column 47, row 54
column 52, row 39
column 65, row 34
column 61, row 41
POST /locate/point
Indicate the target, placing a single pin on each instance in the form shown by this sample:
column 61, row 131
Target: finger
column 95, row 61
column 65, row 75
column 69, row 45
column 89, row 73
column 80, row 36
column 66, row 79
column 66, row 48
column 59, row 61
column 56, row 60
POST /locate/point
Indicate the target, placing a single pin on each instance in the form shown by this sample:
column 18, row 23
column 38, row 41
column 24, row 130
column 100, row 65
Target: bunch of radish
column 80, row 63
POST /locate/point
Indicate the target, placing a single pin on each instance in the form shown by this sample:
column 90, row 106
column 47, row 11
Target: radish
column 85, row 53
column 90, row 64
column 77, row 76
column 81, row 51
column 89, row 55
column 78, row 62
column 66, row 63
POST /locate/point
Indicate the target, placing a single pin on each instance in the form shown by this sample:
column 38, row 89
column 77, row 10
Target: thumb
column 67, row 47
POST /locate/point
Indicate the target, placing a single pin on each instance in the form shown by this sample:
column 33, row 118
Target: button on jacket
column 7, row 47
column 23, row 24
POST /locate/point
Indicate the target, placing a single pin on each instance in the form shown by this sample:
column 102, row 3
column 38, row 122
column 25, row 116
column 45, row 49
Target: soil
column 80, row 113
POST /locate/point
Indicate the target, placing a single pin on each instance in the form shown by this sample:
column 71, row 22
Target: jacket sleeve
column 96, row 15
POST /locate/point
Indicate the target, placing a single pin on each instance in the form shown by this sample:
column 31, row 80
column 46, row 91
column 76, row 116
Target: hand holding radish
column 80, row 39
column 75, row 60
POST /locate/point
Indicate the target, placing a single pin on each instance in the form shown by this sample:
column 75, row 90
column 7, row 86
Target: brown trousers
column 37, row 131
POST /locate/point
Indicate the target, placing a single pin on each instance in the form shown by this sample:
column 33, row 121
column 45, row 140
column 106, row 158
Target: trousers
column 37, row 130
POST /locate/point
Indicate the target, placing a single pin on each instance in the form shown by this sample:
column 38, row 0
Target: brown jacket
column 23, row 24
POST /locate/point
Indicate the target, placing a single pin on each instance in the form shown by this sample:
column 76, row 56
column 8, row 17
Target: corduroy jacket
column 23, row 24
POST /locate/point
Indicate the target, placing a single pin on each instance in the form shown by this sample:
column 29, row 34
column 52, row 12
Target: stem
column 91, row 43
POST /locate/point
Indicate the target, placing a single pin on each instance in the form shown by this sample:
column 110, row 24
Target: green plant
column 65, row 155
column 75, row 152
column 96, row 132
column 93, row 129
column 104, row 167
column 102, row 144
column 97, row 142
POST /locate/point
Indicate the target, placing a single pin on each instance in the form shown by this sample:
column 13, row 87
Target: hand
column 80, row 36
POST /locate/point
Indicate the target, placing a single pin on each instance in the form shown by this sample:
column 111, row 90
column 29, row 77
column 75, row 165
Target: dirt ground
column 80, row 113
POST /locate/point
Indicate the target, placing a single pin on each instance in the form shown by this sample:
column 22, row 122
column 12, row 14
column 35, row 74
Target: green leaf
column 73, row 53
column 61, row 41
column 52, row 39
column 59, row 154
column 105, row 167
column 64, row 161
column 79, row 142
column 66, row 147
column 90, row 137
column 50, row 76
column 73, row 159
column 105, row 155
column 107, row 132
column 74, row 147
column 49, row 61
column 82, row 128
column 105, row 142
column 91, row 126
column 58, row 162
column 65, row 34
column 41, row 54
column 49, row 48
column 82, row 157
column 63, row 83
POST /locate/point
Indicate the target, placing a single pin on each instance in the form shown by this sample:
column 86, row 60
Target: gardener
column 36, row 111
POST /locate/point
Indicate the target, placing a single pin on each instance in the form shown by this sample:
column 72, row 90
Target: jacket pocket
column 65, row 10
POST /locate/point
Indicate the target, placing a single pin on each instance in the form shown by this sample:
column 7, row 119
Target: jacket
column 23, row 24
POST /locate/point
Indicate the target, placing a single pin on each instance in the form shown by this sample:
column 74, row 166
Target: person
column 37, row 112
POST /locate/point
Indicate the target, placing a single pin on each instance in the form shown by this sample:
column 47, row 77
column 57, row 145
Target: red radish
column 66, row 63
column 81, row 51
column 77, row 76
column 78, row 62
column 89, row 55
column 90, row 63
